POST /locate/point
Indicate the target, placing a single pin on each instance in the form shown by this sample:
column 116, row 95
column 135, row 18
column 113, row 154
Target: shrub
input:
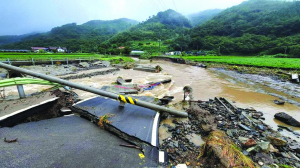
column 295, row 50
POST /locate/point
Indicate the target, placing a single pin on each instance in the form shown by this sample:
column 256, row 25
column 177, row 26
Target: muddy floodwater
column 206, row 83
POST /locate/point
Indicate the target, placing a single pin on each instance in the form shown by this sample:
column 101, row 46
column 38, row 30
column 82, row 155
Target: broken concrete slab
column 84, row 65
column 152, row 69
column 120, row 80
column 67, row 142
column 132, row 123
column 122, row 89
column 89, row 73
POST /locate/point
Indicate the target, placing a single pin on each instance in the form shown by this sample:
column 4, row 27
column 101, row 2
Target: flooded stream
column 206, row 84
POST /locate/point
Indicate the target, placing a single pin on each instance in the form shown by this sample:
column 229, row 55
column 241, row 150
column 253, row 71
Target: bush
column 295, row 50
column 145, row 56
column 281, row 56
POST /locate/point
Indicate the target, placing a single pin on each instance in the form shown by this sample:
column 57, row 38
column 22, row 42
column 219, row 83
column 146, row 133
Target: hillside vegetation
column 255, row 26
column 15, row 38
column 167, row 26
column 85, row 37
column 203, row 16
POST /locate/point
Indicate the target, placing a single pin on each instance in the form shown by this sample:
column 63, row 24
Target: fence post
column 8, row 61
column 79, row 60
column 32, row 61
column 67, row 62
column 52, row 61
column 21, row 91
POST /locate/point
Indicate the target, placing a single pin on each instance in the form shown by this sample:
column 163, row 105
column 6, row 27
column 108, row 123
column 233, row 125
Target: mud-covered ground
column 291, row 90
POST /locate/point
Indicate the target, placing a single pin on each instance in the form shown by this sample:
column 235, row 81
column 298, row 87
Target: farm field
column 284, row 63
column 44, row 57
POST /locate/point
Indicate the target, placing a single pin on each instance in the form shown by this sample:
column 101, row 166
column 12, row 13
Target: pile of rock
column 245, row 127
column 97, row 64
column 257, row 140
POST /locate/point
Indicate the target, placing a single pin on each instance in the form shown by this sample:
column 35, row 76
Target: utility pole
column 159, row 45
column 159, row 42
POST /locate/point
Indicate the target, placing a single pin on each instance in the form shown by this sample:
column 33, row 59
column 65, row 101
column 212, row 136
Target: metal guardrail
column 93, row 90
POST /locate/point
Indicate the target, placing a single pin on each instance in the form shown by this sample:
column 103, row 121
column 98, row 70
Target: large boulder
column 106, row 63
column 287, row 119
column 84, row 64
column 277, row 141
column 260, row 147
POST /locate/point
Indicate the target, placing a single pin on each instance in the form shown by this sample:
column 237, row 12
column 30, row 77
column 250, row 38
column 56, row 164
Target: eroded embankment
column 40, row 106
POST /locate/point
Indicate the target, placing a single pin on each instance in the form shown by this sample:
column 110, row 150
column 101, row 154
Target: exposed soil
column 65, row 99
column 10, row 106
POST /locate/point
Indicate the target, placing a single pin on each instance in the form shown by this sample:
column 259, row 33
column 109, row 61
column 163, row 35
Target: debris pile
column 244, row 127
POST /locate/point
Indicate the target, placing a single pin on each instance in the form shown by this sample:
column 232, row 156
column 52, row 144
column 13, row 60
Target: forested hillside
column 203, row 16
column 85, row 37
column 252, row 27
column 14, row 38
column 255, row 27
column 169, row 26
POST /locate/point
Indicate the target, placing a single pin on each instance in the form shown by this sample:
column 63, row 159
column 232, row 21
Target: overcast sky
column 25, row 16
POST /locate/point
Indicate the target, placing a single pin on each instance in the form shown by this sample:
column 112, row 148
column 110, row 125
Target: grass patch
column 117, row 58
column 285, row 166
column 282, row 63
column 59, row 56
column 46, row 56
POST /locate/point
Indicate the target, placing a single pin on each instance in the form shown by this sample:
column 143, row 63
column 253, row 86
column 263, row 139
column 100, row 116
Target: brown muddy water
column 206, row 84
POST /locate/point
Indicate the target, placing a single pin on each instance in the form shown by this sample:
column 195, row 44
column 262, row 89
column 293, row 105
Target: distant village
column 40, row 49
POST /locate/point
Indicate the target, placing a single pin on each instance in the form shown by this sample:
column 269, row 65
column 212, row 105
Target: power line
column 164, row 4
column 153, row 2
column 175, row 6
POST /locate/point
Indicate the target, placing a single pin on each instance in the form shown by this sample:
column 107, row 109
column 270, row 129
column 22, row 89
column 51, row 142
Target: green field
column 283, row 63
column 57, row 57
column 40, row 57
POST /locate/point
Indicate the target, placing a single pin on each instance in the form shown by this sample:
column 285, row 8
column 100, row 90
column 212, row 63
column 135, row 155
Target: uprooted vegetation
column 104, row 120
column 230, row 155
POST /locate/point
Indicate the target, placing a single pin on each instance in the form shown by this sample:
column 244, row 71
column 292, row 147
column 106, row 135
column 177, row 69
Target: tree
column 127, row 50
column 182, row 42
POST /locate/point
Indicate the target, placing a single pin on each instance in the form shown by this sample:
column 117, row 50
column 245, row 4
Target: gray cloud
column 24, row 16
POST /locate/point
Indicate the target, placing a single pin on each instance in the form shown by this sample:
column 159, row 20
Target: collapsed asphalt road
column 68, row 141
